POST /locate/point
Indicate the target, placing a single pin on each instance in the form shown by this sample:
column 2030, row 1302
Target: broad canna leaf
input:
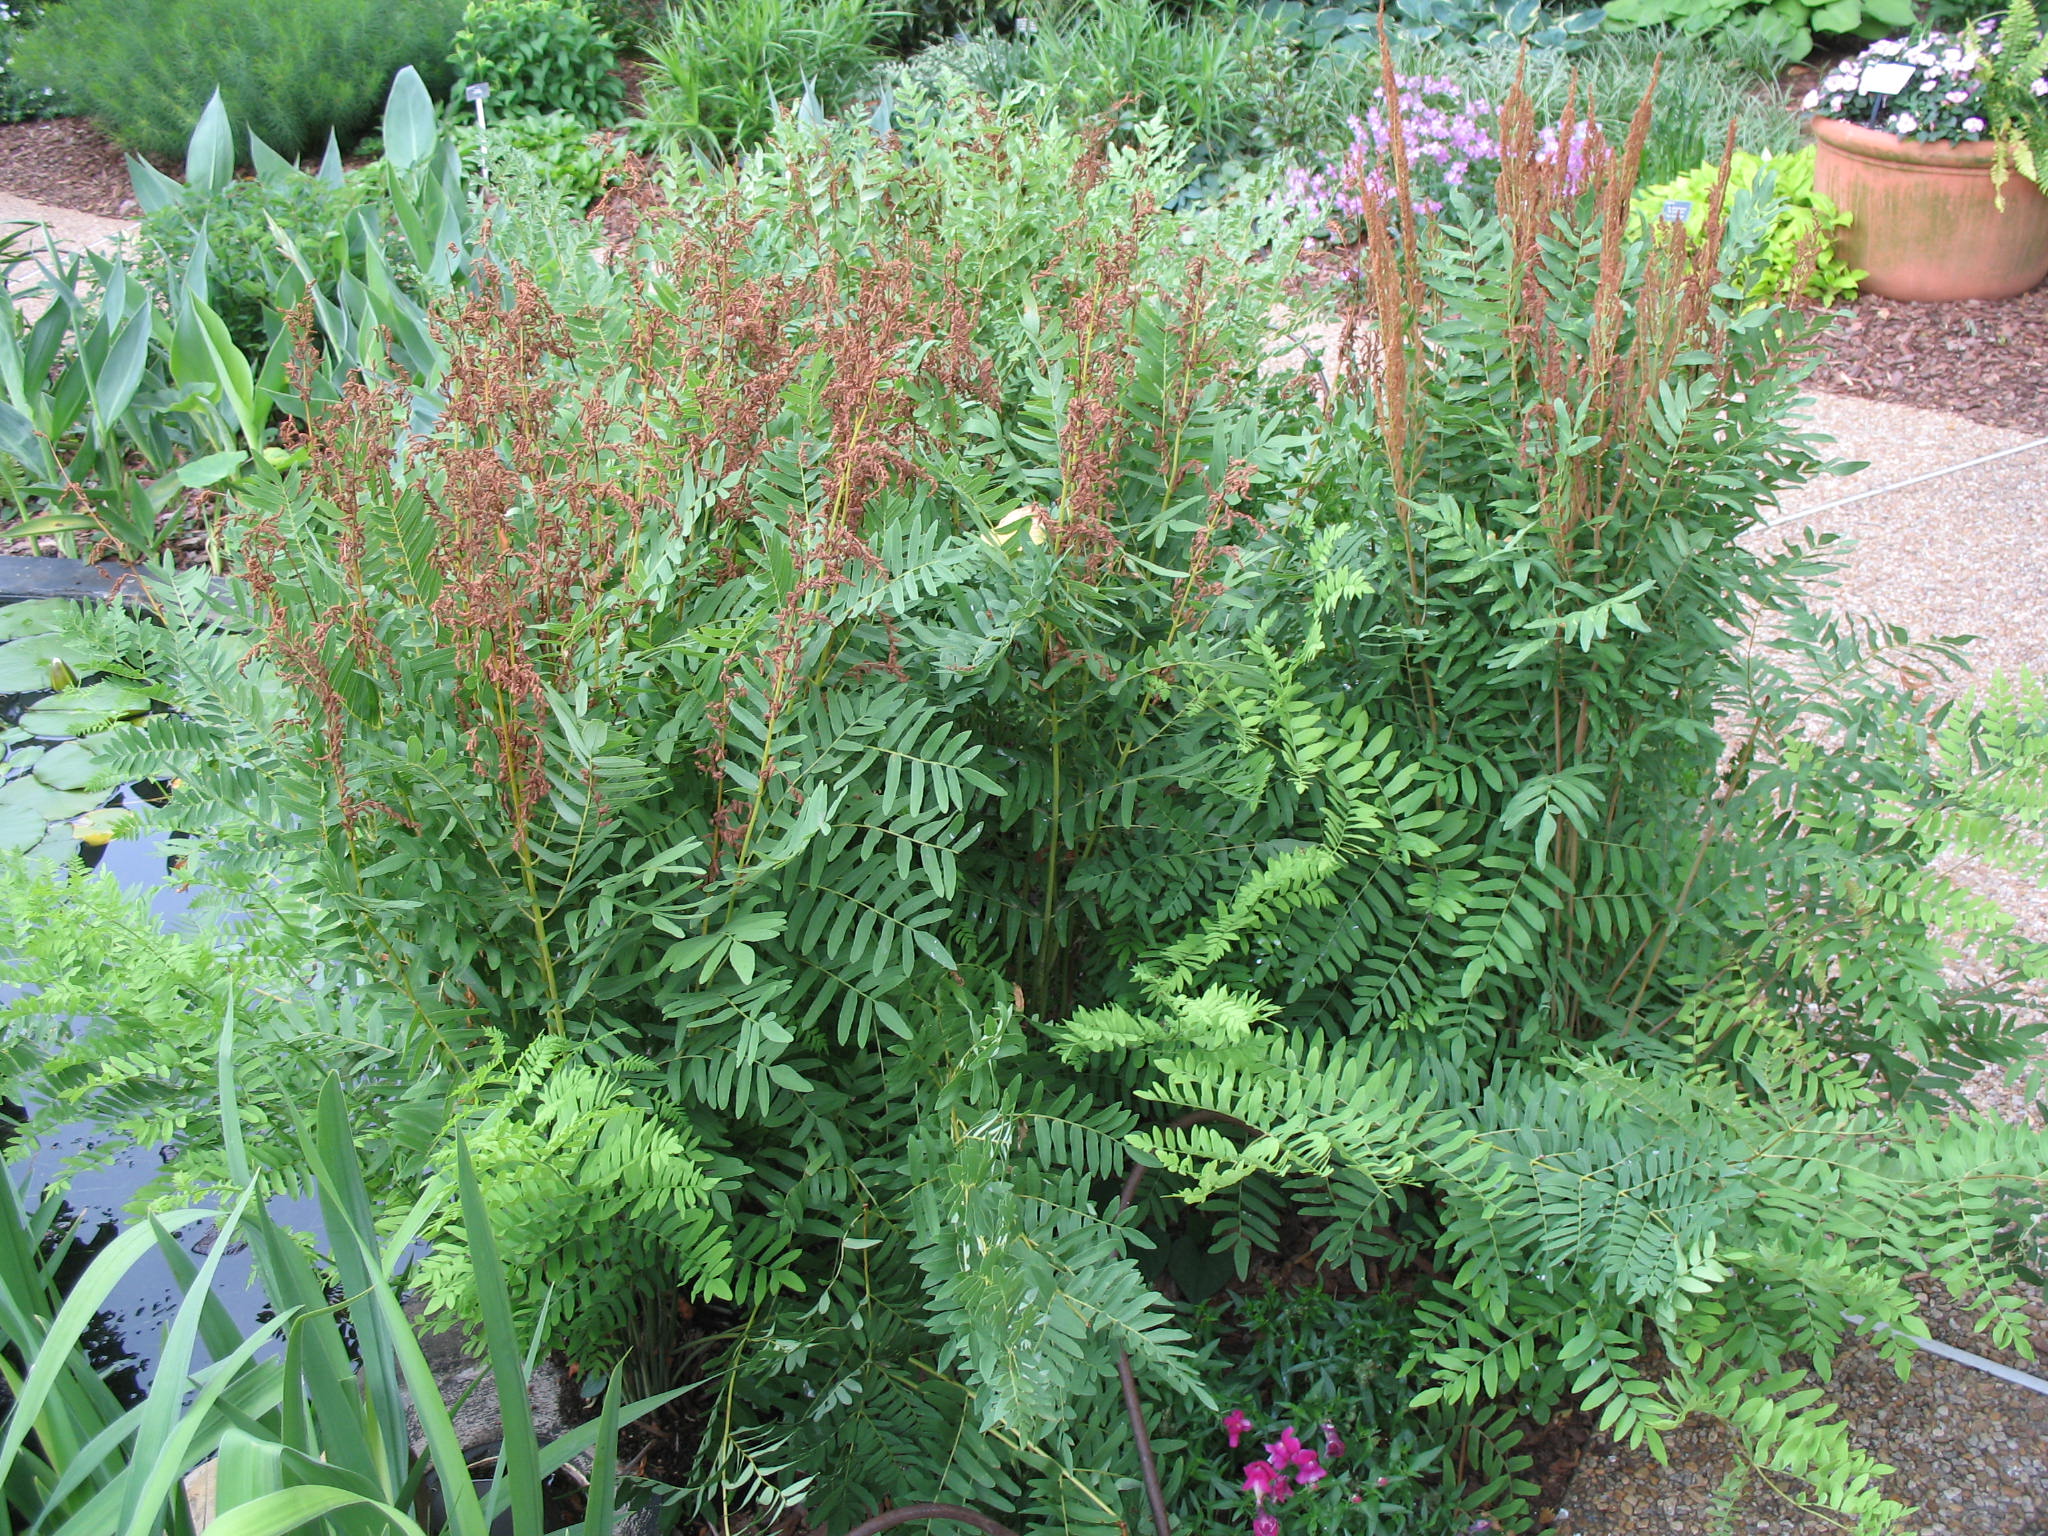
column 210, row 157
column 409, row 130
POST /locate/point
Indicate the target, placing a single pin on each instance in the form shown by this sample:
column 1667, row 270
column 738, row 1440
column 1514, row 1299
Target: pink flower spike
column 1333, row 1443
column 1236, row 1425
column 1266, row 1525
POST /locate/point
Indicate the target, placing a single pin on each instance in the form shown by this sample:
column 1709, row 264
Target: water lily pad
column 21, row 828
column 50, row 804
column 26, row 665
column 79, row 710
column 40, row 617
column 105, row 824
column 58, row 846
column 73, row 766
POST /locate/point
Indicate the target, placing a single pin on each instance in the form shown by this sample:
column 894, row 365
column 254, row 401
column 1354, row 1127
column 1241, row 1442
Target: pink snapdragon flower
column 1263, row 1481
column 1307, row 1470
column 1287, row 1450
column 1236, row 1425
column 1333, row 1443
column 1266, row 1524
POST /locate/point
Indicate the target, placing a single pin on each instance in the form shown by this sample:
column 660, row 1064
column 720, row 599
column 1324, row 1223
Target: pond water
column 127, row 1336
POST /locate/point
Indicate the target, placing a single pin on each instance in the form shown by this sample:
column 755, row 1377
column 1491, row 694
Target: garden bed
column 1986, row 360
column 65, row 162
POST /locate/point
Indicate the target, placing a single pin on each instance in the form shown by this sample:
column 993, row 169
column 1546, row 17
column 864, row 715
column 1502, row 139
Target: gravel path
column 1963, row 554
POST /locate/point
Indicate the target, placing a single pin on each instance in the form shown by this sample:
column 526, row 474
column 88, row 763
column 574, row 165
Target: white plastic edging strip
column 1810, row 513
column 1963, row 1356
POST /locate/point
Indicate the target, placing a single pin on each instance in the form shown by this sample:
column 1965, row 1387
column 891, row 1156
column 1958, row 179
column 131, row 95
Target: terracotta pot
column 1925, row 222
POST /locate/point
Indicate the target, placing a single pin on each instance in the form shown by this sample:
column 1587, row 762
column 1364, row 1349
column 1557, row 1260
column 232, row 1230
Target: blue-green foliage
column 123, row 395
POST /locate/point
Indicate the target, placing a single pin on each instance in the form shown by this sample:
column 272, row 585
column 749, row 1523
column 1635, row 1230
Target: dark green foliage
column 629, row 23
column 539, row 56
column 21, row 102
column 722, row 68
column 1308, row 1358
column 289, row 72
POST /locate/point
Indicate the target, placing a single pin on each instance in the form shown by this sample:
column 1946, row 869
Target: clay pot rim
column 1876, row 144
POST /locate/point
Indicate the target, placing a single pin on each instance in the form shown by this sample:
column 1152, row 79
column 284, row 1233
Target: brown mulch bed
column 67, row 163
column 1984, row 359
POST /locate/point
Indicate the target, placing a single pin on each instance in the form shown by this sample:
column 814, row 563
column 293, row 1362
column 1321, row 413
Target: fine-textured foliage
column 244, row 267
column 721, row 70
column 289, row 72
column 540, row 56
column 552, row 147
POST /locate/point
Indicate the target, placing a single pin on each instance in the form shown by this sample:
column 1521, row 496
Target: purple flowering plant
column 1941, row 99
column 1452, row 141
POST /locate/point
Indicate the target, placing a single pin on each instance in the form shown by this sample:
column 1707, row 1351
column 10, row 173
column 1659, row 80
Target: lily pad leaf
column 21, row 828
column 26, row 666
column 83, row 710
column 41, row 616
column 50, row 804
column 73, row 767
column 59, row 846
column 102, row 826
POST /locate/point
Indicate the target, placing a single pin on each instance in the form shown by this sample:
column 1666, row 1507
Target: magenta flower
column 1307, row 1470
column 1266, row 1525
column 1333, row 1443
column 1287, row 1450
column 1236, row 1425
column 1263, row 1482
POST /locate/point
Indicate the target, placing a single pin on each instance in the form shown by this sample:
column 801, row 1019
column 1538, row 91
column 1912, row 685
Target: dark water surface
column 126, row 1339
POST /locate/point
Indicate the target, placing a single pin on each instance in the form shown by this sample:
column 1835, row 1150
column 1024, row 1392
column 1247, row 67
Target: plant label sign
column 1886, row 79
column 476, row 93
column 1676, row 211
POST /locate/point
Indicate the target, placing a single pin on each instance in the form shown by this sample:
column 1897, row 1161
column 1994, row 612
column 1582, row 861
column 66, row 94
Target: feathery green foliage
column 722, row 70
column 289, row 72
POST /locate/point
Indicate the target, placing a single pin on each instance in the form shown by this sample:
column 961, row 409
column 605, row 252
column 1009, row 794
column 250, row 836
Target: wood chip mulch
column 66, row 163
column 1985, row 359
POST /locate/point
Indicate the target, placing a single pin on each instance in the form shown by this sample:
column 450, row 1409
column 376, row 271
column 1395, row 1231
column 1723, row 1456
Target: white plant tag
column 1886, row 79
column 1677, row 211
column 476, row 92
